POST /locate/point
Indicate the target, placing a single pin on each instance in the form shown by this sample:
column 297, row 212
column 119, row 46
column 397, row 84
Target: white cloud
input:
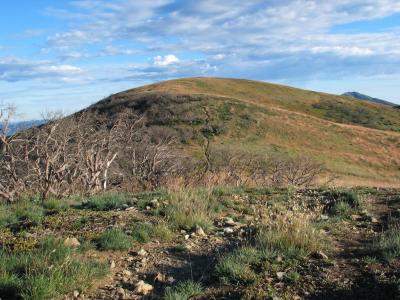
column 165, row 60
column 64, row 69
column 343, row 51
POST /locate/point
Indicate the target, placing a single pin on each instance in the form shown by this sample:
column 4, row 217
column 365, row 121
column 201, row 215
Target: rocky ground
column 343, row 268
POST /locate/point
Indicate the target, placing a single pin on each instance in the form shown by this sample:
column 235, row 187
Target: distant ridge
column 363, row 97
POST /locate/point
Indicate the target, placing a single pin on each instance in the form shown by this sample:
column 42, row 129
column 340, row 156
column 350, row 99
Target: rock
column 229, row 221
column 154, row 203
column 148, row 207
column 187, row 237
column 228, row 230
column 280, row 275
column 71, row 242
column 127, row 273
column 75, row 293
column 170, row 279
column 142, row 252
column 159, row 277
column 320, row 255
column 129, row 259
column 374, row 220
column 279, row 259
column 355, row 217
column 112, row 264
column 143, row 288
column 324, row 217
column 121, row 292
column 200, row 231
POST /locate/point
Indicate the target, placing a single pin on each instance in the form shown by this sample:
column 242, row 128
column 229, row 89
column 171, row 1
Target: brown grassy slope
column 263, row 118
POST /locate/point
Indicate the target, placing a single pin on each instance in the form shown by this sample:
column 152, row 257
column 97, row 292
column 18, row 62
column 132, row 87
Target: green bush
column 107, row 202
column 47, row 272
column 114, row 239
column 184, row 291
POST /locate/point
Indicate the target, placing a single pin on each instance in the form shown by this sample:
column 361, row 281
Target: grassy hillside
column 359, row 142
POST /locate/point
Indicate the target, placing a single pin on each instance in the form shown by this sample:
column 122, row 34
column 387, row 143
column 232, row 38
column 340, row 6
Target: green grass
column 55, row 205
column 114, row 239
column 387, row 245
column 343, row 195
column 21, row 213
column 343, row 210
column 184, row 291
column 106, row 202
column 237, row 266
column 192, row 208
column 143, row 232
column 47, row 272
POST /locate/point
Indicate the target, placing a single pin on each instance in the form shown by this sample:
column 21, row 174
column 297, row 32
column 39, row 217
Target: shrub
column 107, row 202
column 114, row 239
column 47, row 272
column 387, row 245
column 184, row 291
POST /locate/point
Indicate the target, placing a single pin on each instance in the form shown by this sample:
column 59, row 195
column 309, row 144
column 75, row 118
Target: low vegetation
column 184, row 291
column 387, row 245
column 114, row 239
column 49, row 271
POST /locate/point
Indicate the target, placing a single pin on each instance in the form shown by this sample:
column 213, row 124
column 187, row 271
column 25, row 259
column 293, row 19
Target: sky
column 65, row 55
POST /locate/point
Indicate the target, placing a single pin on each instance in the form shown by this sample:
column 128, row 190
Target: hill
column 358, row 141
column 360, row 96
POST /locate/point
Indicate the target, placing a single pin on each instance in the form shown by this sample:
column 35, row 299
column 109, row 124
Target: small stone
column 143, row 288
column 187, row 237
column 229, row 221
column 121, row 292
column 279, row 259
column 324, row 217
column 170, row 279
column 127, row 273
column 280, row 275
column 183, row 231
column 320, row 255
column 355, row 217
column 148, row 207
column 200, row 231
column 374, row 220
column 71, row 242
column 159, row 277
column 129, row 259
column 112, row 264
column 75, row 293
column 142, row 252
column 228, row 230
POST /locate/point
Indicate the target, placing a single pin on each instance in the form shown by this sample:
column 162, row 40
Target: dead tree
column 52, row 157
column 13, row 158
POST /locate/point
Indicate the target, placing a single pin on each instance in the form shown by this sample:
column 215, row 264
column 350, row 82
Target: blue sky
column 65, row 55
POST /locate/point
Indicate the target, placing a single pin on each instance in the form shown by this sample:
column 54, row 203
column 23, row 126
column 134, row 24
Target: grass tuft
column 106, row 202
column 47, row 272
column 184, row 291
column 114, row 239
column 387, row 245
